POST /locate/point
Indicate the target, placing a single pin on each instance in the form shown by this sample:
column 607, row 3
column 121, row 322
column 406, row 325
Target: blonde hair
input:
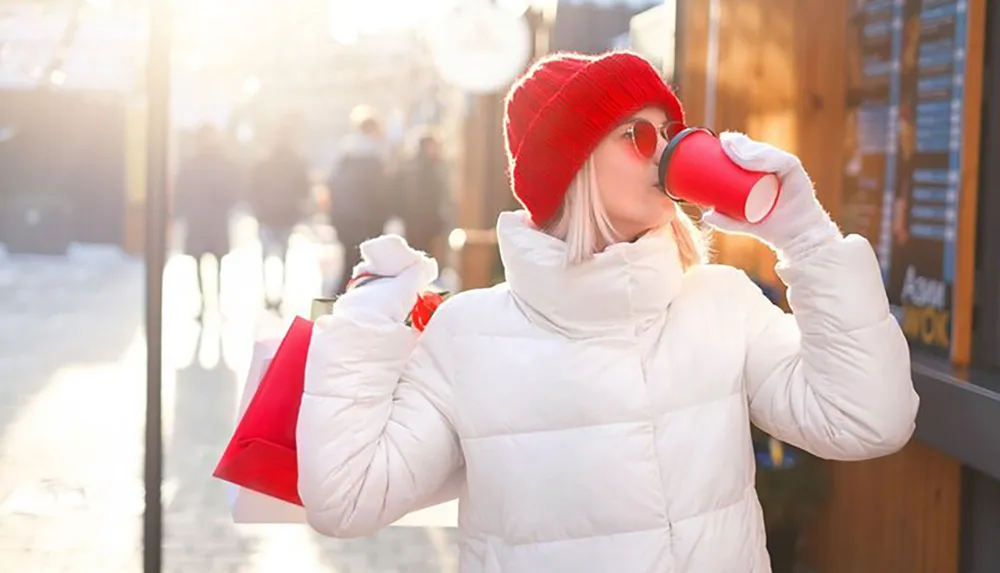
column 583, row 223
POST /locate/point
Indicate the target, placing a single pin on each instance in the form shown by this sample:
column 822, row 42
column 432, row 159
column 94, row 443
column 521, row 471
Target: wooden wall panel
column 899, row 513
column 821, row 103
column 773, row 118
column 692, row 32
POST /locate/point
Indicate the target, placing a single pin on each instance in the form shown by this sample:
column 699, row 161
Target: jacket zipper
column 656, row 452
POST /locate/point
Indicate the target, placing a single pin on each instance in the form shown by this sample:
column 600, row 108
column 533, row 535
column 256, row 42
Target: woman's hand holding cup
column 798, row 223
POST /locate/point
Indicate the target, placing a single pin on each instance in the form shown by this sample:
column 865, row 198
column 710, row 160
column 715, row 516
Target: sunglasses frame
column 667, row 131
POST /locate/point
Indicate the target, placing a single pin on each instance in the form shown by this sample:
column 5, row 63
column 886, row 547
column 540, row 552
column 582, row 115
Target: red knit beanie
column 561, row 108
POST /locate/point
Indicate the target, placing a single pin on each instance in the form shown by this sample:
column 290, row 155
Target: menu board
column 906, row 62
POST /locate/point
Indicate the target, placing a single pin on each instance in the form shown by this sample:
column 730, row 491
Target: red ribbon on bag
column 261, row 455
column 422, row 311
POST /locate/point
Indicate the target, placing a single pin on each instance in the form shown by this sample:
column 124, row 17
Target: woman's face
column 628, row 182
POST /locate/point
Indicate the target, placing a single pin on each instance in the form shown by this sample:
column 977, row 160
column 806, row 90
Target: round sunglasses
column 645, row 136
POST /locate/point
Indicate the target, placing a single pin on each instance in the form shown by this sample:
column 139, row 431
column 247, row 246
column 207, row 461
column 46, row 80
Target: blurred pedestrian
column 279, row 193
column 422, row 189
column 359, row 188
column 206, row 190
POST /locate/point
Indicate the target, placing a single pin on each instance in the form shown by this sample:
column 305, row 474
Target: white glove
column 798, row 224
column 387, row 300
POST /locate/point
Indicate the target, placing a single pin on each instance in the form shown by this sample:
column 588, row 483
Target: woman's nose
column 661, row 146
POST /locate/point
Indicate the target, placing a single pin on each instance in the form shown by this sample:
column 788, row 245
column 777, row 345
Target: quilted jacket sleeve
column 833, row 378
column 374, row 437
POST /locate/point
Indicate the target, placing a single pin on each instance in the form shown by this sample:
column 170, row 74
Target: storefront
column 62, row 154
column 889, row 104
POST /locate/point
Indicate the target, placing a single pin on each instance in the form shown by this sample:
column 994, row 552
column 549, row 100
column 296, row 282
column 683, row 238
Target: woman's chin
column 662, row 211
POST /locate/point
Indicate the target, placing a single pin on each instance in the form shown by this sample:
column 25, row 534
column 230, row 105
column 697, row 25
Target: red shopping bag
column 261, row 454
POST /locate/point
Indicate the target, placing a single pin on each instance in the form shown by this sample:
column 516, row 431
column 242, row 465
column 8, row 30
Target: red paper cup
column 694, row 168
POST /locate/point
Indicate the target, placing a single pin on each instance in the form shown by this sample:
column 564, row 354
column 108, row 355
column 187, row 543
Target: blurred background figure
column 359, row 187
column 207, row 188
column 421, row 188
column 279, row 192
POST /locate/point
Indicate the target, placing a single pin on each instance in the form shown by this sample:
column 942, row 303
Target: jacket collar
column 627, row 286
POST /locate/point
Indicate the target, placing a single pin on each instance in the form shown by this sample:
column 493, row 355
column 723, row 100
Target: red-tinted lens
column 644, row 138
column 672, row 128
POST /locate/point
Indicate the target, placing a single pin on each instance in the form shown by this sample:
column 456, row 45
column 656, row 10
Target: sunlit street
column 71, row 421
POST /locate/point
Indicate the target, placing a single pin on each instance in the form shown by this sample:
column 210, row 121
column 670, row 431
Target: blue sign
column 903, row 173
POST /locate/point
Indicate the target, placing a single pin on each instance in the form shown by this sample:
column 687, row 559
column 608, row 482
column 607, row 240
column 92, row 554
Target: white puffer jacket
column 597, row 418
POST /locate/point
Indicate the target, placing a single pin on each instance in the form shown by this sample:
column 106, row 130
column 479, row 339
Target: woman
column 593, row 413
